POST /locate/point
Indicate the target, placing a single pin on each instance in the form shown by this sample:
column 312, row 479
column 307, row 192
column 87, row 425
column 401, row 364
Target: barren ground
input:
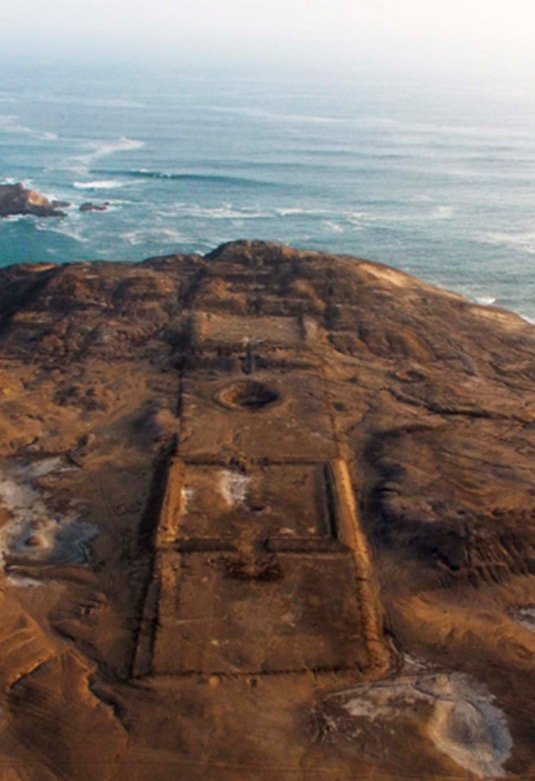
column 264, row 514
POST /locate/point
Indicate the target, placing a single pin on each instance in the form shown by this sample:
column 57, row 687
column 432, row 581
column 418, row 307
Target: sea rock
column 279, row 508
column 93, row 207
column 16, row 199
column 61, row 204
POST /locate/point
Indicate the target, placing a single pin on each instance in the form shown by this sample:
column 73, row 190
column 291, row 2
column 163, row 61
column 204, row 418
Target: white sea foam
column 490, row 174
column 420, row 198
column 524, row 241
column 153, row 236
column 123, row 144
column 256, row 113
column 170, row 235
column 108, row 103
column 443, row 212
column 63, row 227
column 92, row 102
column 486, row 300
column 134, row 237
column 9, row 124
column 291, row 211
column 333, row 226
column 356, row 215
column 359, row 219
column 224, row 212
column 428, row 128
column 98, row 184
column 99, row 149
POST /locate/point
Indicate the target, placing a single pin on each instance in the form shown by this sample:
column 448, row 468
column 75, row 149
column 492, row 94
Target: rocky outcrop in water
column 94, row 207
column 16, row 199
column 266, row 513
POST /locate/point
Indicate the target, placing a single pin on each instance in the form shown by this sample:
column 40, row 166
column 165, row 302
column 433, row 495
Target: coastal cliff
column 266, row 513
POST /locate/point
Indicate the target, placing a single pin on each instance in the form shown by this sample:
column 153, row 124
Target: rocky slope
column 266, row 513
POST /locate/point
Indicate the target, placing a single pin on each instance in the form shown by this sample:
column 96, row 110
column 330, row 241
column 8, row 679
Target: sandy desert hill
column 264, row 514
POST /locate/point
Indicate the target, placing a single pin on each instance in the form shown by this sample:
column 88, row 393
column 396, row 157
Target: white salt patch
column 413, row 663
column 23, row 582
column 233, row 486
column 464, row 722
column 382, row 700
column 28, row 512
column 34, row 530
column 468, row 727
column 45, row 467
column 525, row 616
column 186, row 495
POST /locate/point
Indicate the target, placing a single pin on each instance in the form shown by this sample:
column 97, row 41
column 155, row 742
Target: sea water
column 435, row 179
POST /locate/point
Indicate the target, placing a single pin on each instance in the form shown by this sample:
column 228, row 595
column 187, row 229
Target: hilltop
column 266, row 513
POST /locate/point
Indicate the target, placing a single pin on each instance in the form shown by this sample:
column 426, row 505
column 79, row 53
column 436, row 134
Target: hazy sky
column 444, row 34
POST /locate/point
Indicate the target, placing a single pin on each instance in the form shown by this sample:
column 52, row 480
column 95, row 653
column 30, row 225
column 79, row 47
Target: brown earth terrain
column 264, row 514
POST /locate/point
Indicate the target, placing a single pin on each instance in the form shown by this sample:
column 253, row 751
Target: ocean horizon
column 436, row 182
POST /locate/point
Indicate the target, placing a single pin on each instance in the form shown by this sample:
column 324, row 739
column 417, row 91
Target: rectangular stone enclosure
column 254, row 573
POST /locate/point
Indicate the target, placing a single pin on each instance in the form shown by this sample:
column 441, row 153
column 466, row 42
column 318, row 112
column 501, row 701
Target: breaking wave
column 98, row 184
column 143, row 173
column 294, row 211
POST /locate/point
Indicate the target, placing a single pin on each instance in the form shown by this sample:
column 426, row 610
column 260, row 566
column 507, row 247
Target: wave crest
column 98, row 184
column 142, row 173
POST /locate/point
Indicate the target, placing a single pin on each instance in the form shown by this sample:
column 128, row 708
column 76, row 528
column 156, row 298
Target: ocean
column 434, row 179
